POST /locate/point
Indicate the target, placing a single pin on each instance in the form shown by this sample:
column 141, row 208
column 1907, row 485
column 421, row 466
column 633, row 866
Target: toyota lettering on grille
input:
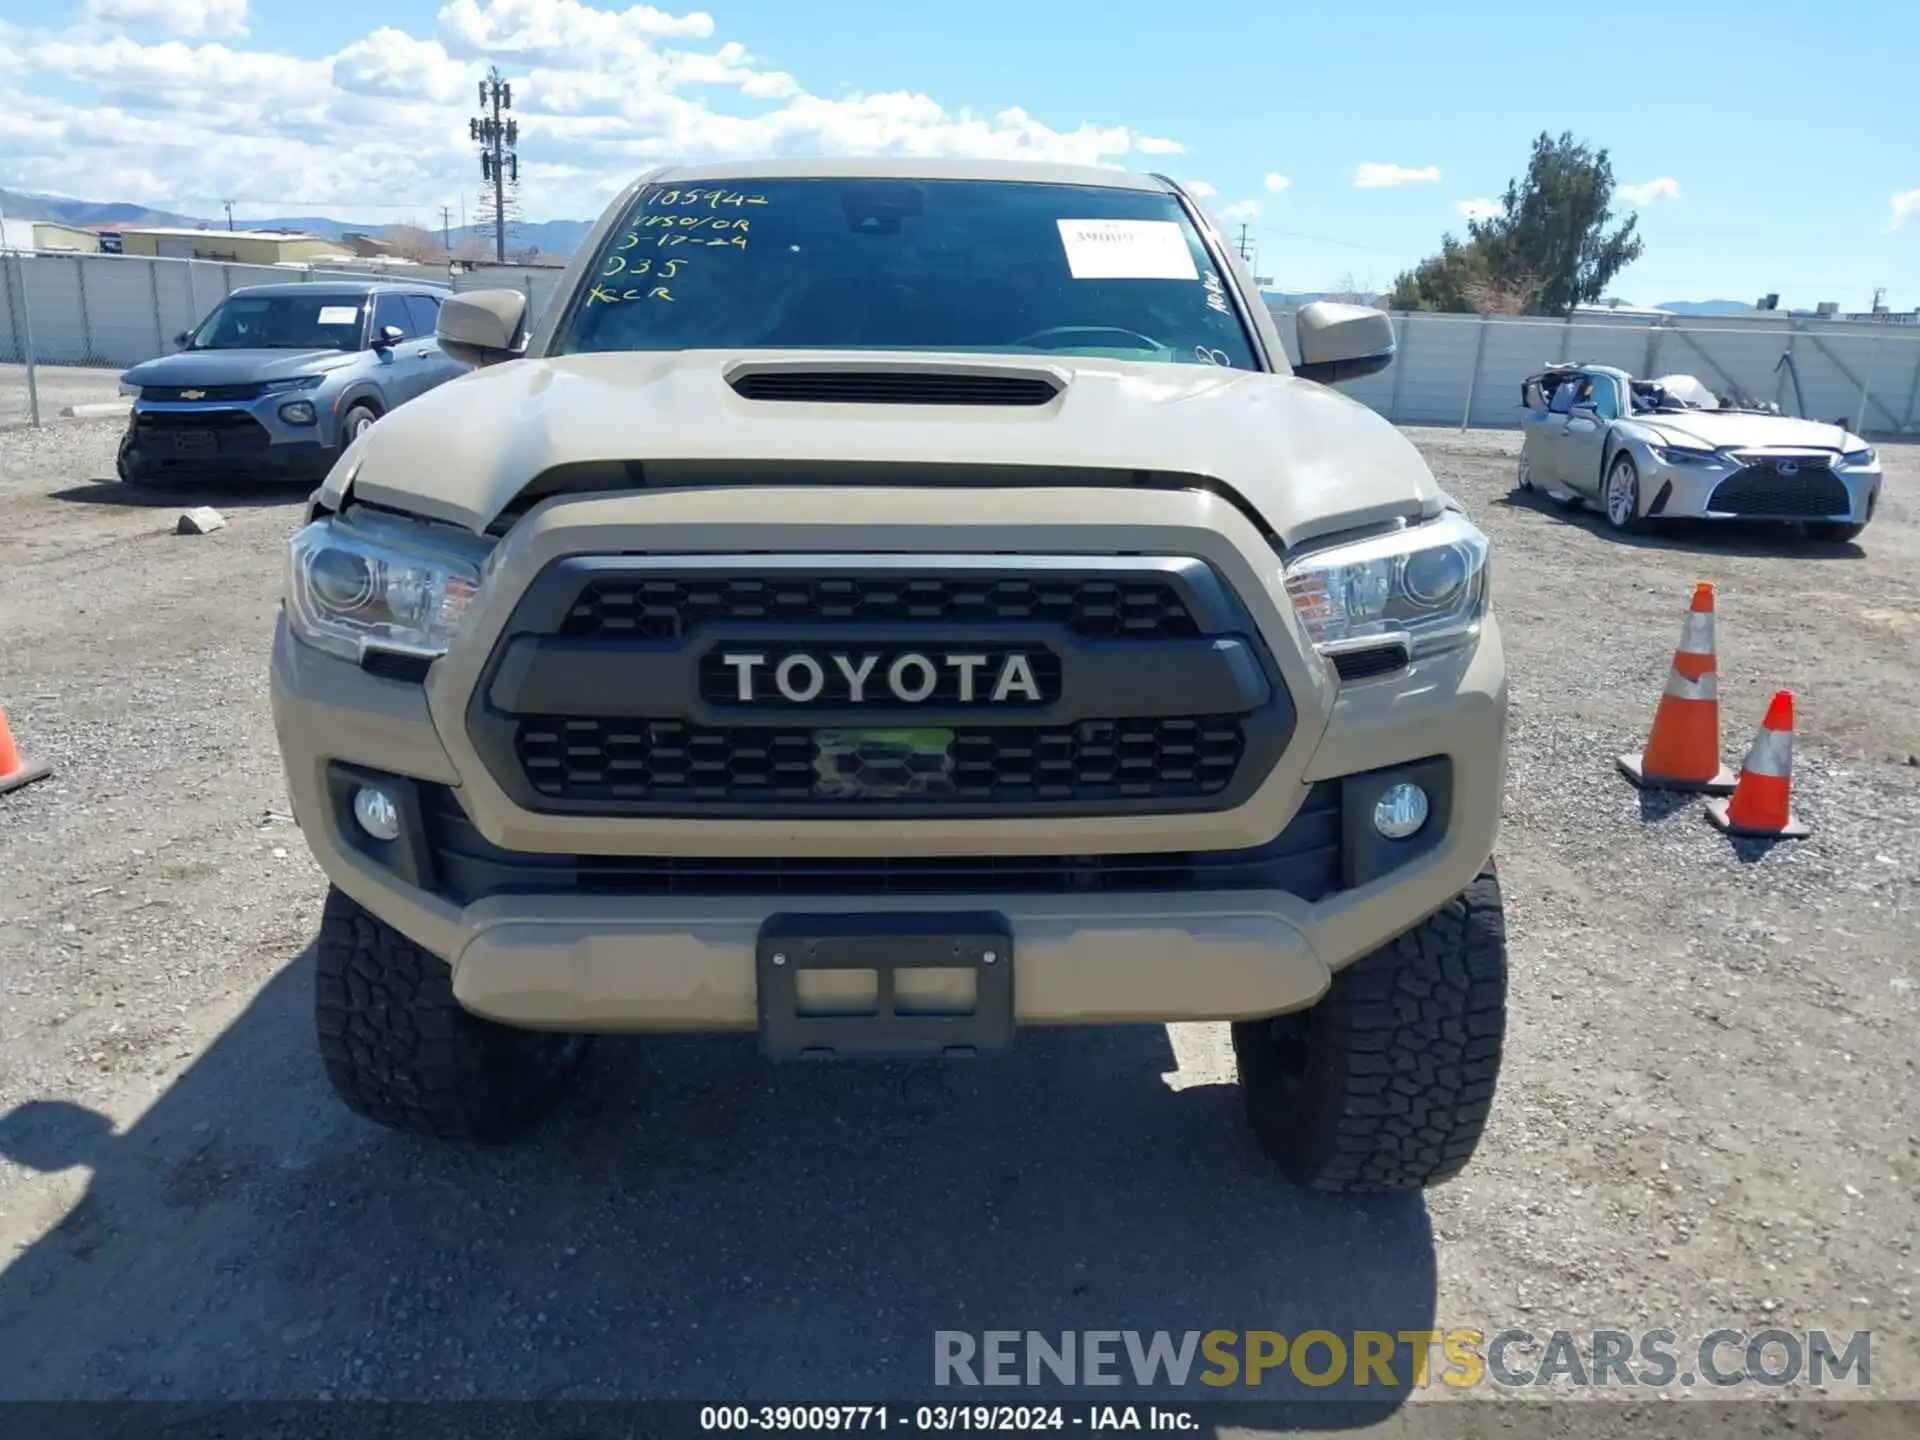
column 908, row 677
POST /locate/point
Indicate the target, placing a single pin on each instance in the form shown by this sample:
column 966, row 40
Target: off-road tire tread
column 1404, row 1059
column 399, row 1049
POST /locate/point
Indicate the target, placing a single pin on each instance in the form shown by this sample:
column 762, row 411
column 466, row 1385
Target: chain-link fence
column 70, row 324
column 81, row 319
column 1467, row 370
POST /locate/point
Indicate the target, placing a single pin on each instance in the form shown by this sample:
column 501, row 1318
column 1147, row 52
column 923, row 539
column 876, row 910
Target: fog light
column 297, row 412
column 1397, row 814
column 380, row 817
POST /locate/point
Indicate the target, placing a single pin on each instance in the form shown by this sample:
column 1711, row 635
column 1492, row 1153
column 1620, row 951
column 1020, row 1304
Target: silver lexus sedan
column 1645, row 451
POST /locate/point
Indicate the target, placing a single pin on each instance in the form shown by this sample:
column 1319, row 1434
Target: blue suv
column 279, row 379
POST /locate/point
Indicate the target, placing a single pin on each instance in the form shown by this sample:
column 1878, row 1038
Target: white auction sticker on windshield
column 1127, row 250
column 339, row 314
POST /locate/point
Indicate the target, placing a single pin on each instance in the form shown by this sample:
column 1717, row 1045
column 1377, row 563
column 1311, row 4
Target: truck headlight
column 363, row 581
column 1427, row 583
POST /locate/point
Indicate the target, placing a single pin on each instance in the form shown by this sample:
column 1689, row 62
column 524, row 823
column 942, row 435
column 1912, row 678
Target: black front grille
column 200, row 434
column 196, row 393
column 1304, row 860
column 894, row 388
column 578, row 761
column 1762, row 492
column 669, row 608
column 616, row 690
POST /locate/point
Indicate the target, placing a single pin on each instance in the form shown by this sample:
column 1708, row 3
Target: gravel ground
column 1706, row 1119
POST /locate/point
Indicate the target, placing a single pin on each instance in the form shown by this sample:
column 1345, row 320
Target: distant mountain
column 1707, row 307
column 558, row 238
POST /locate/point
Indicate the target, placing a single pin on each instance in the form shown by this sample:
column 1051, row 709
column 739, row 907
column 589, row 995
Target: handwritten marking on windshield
column 617, row 265
column 601, row 295
column 712, row 199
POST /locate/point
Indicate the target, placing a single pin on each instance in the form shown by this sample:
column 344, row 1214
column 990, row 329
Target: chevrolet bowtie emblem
column 193, row 394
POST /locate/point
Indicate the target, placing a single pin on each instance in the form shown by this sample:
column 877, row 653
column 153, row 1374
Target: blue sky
column 1788, row 152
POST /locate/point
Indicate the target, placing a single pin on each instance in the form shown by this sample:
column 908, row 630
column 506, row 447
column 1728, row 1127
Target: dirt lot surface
column 1707, row 1117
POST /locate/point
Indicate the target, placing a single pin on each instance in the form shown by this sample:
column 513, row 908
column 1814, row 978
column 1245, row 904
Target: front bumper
column 238, row 439
column 1809, row 492
column 597, row 921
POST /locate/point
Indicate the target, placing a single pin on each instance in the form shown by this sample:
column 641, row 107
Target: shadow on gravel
column 1722, row 537
column 695, row 1225
column 234, row 494
column 1657, row 805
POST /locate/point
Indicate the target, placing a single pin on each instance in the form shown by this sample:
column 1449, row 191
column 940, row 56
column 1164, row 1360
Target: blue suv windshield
column 955, row 265
column 282, row 322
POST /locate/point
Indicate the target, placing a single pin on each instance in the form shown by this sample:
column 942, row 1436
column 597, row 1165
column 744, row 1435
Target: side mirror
column 182, row 338
column 1342, row 342
column 481, row 327
column 389, row 335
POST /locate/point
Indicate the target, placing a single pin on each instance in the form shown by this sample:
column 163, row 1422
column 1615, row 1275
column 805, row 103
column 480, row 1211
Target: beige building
column 244, row 247
column 52, row 235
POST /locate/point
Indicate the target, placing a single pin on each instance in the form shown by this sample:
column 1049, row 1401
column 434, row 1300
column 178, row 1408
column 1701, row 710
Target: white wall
column 117, row 310
column 1468, row 369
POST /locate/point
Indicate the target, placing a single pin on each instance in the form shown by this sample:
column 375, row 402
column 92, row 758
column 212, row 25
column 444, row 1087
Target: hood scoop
column 862, row 382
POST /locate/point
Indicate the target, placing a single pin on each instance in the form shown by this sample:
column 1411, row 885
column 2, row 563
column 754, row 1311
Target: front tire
column 1621, row 496
column 1386, row 1084
column 356, row 422
column 400, row 1051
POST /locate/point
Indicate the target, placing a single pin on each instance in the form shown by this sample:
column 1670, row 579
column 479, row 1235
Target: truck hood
column 1307, row 458
column 233, row 367
column 1709, row 429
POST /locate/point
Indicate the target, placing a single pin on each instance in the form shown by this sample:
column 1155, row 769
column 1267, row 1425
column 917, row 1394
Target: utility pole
column 229, row 206
column 499, row 165
column 1242, row 246
column 446, row 229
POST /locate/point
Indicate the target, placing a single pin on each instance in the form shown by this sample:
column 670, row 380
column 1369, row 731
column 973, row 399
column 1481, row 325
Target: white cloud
column 176, row 17
column 1905, row 205
column 1661, row 189
column 1242, row 210
column 1375, row 176
column 1200, row 189
column 378, row 128
column 1276, row 182
column 1478, row 209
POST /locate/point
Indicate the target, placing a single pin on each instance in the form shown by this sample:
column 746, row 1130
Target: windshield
column 282, row 322
column 956, row 265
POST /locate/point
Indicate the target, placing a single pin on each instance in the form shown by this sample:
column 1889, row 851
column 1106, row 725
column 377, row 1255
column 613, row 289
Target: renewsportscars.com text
column 1396, row 1360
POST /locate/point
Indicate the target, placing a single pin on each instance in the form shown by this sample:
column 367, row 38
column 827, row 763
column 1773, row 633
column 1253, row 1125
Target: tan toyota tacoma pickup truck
column 881, row 606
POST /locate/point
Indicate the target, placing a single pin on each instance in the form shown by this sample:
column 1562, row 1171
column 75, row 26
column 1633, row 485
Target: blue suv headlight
column 302, row 382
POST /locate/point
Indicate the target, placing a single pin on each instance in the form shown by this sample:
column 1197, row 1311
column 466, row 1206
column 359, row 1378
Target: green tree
column 1552, row 246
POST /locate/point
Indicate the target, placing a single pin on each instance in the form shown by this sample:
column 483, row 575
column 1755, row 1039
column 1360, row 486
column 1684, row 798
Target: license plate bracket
column 195, row 442
column 892, row 1025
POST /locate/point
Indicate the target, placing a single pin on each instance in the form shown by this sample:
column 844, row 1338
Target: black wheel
column 130, row 475
column 399, row 1050
column 1621, row 496
column 1387, row 1083
column 1839, row 532
column 356, row 422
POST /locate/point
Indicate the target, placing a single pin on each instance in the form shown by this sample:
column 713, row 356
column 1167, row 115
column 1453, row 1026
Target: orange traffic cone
column 1761, row 805
column 1683, row 753
column 15, row 772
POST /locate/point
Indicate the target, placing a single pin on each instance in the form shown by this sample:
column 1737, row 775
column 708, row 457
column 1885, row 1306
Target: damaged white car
column 1645, row 451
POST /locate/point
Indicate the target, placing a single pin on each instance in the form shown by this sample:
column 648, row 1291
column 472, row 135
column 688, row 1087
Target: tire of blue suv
column 400, row 1051
column 1386, row 1084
